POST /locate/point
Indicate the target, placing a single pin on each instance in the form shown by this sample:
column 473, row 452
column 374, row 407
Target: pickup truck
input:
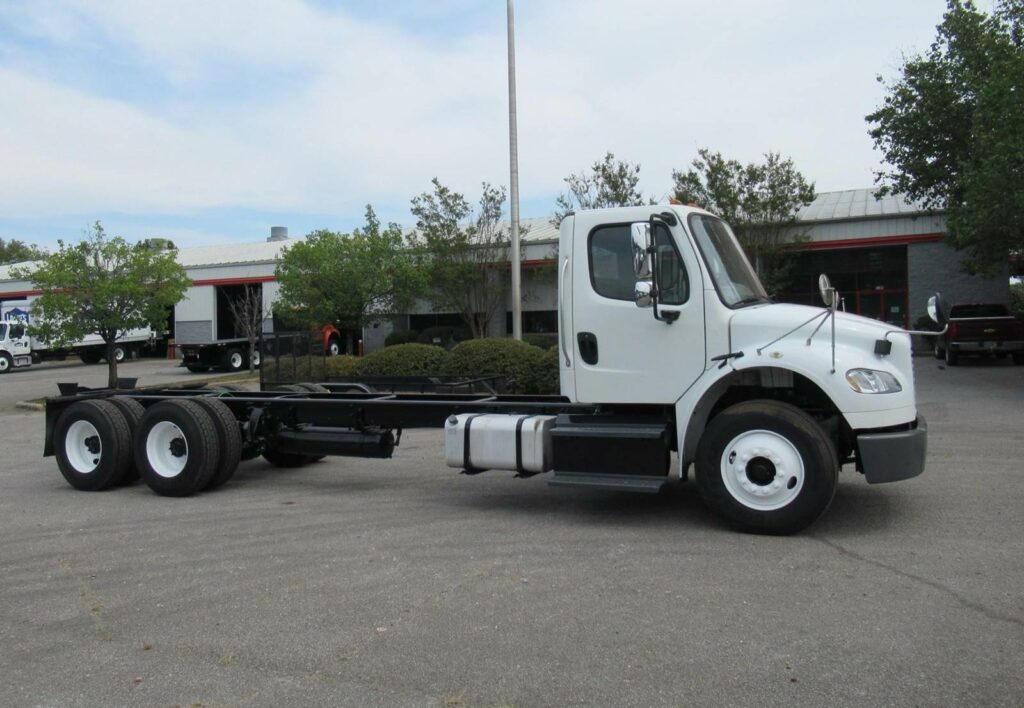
column 981, row 329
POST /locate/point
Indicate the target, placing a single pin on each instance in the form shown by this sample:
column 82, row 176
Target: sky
column 209, row 122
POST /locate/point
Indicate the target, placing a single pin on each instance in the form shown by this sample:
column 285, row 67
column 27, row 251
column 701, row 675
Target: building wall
column 937, row 267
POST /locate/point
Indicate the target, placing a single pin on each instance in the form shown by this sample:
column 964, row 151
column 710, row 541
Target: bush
column 1017, row 299
column 403, row 360
column 543, row 341
column 406, row 337
column 287, row 369
column 524, row 367
column 343, row 365
column 447, row 337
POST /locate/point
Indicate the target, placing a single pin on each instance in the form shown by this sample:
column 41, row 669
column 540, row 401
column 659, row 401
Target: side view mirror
column 641, row 232
column 642, row 293
column 828, row 293
column 937, row 309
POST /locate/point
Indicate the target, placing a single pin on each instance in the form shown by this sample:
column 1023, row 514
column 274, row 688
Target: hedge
column 403, row 360
column 343, row 365
column 524, row 367
column 446, row 337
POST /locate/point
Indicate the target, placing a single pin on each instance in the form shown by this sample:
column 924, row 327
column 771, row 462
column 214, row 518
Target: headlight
column 871, row 381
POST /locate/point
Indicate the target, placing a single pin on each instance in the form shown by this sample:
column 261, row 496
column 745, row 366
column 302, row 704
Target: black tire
column 6, row 362
column 91, row 428
column 1018, row 358
column 132, row 411
column 229, row 436
column 314, row 387
column 780, row 431
column 120, row 353
column 938, row 352
column 234, row 360
column 90, row 356
column 197, row 368
column 952, row 358
column 288, row 459
column 333, row 347
column 231, row 388
column 169, row 431
column 294, row 388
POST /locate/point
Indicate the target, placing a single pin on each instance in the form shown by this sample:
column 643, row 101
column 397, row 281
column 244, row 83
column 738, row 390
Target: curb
column 30, row 406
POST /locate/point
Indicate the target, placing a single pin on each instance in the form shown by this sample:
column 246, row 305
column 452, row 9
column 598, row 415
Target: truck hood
column 759, row 325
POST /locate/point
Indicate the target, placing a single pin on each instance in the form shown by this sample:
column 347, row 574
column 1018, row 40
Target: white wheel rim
column 236, row 361
column 166, row 449
column 762, row 470
column 335, row 349
column 256, row 358
column 3, row 363
column 82, row 446
column 119, row 354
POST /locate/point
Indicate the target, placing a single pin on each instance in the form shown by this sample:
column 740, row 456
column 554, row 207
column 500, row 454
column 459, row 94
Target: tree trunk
column 111, row 366
column 252, row 351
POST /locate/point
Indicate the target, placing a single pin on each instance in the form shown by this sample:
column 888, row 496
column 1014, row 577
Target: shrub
column 524, row 367
column 403, row 360
column 543, row 378
column 344, row 365
column 447, row 337
column 288, row 369
column 406, row 337
column 544, row 341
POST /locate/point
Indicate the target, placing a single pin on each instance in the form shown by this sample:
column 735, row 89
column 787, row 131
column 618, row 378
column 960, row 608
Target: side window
column 611, row 265
column 17, row 331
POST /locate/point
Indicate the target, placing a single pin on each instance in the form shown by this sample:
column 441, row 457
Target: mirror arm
column 921, row 332
column 669, row 219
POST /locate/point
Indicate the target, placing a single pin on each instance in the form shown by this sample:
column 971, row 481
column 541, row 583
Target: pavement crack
column 935, row 585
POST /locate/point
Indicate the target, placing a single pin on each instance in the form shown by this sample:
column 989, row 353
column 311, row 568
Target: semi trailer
column 671, row 357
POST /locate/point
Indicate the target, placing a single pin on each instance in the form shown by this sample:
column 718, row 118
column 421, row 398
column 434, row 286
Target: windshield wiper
column 751, row 300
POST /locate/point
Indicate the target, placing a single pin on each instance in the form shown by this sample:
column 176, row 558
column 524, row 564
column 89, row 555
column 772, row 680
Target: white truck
column 671, row 356
column 22, row 350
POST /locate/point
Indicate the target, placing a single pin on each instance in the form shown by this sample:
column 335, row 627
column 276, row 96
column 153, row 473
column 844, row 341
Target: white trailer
column 90, row 349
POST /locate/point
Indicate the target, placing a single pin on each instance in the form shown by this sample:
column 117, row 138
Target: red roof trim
column 20, row 294
column 869, row 241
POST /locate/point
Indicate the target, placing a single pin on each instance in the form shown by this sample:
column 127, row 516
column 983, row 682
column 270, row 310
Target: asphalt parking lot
column 402, row 583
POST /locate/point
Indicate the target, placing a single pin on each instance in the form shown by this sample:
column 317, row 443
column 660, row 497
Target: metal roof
column 857, row 204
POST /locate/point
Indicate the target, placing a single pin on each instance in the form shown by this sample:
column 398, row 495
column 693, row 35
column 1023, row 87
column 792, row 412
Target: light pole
column 513, row 148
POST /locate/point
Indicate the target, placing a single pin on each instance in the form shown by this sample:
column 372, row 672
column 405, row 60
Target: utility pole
column 513, row 148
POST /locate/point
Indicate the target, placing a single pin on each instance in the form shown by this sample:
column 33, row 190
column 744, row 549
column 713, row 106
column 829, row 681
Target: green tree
column 951, row 130
column 15, row 251
column 103, row 286
column 759, row 200
column 348, row 280
column 610, row 183
column 465, row 255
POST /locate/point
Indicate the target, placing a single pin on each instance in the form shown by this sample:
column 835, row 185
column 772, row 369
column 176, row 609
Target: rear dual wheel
column 93, row 445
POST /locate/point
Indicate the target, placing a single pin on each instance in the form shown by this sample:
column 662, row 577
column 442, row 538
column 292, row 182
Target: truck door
column 623, row 354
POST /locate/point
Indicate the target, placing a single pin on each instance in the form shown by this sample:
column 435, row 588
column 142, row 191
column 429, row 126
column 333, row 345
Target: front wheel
column 6, row 362
column 952, row 358
column 766, row 467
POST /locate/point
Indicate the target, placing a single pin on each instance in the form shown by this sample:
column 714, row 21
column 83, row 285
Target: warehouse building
column 885, row 256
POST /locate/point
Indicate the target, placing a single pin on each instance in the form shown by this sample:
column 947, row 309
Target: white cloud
column 362, row 111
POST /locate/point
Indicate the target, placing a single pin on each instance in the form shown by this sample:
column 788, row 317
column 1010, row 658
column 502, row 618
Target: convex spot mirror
column 828, row 293
column 642, row 293
column 937, row 309
column 641, row 232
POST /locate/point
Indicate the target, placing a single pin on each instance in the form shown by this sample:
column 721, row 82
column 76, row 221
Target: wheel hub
column 178, row 447
column 92, row 444
column 762, row 470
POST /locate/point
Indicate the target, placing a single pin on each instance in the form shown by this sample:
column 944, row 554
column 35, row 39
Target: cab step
column 610, row 482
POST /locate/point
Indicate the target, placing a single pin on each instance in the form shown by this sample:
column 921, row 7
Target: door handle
column 563, row 333
column 588, row 347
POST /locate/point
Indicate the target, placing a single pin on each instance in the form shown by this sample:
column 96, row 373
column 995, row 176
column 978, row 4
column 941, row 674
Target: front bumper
column 892, row 456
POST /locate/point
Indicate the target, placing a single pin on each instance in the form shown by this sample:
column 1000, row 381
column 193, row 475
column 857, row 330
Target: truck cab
column 15, row 346
column 659, row 305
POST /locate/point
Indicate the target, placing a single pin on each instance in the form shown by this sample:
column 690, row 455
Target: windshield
column 3, row 332
column 734, row 279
